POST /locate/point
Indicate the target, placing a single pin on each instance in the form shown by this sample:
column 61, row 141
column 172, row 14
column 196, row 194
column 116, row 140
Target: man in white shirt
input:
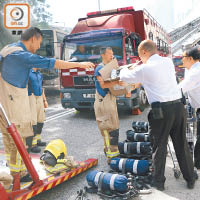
column 167, row 116
column 191, row 86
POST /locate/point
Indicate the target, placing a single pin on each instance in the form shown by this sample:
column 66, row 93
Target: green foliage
column 40, row 17
column 39, row 9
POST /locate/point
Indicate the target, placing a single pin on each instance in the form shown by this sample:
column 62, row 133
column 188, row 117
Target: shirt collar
column 194, row 65
column 152, row 57
column 20, row 44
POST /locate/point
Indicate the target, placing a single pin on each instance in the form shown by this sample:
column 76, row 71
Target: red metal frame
column 38, row 185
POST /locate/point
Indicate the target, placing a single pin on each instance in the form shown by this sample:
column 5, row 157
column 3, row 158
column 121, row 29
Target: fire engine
column 177, row 60
column 122, row 29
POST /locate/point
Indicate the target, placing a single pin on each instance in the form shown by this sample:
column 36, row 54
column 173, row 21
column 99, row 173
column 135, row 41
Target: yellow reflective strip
column 73, row 174
column 38, row 136
column 14, row 168
column 66, row 177
column 57, row 167
column 34, row 142
column 18, row 159
column 79, row 171
column 20, row 198
column 58, row 182
column 49, row 186
column 90, row 165
column 113, row 154
column 107, row 140
column 23, row 167
column 51, row 178
column 29, row 195
column 40, row 190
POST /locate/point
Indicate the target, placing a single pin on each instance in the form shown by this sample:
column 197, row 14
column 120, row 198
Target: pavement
column 81, row 135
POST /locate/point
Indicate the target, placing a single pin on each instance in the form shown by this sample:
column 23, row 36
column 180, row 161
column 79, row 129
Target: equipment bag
column 137, row 137
column 137, row 167
column 140, row 127
column 130, row 148
column 107, row 181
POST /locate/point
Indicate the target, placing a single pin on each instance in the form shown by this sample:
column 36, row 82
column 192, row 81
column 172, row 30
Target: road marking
column 56, row 116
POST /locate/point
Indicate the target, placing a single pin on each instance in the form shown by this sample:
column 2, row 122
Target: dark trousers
column 197, row 146
column 173, row 124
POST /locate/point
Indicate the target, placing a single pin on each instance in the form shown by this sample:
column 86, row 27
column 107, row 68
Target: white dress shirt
column 157, row 77
column 191, row 84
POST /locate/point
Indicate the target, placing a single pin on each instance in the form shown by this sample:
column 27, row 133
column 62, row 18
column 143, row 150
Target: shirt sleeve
column 189, row 83
column 132, row 76
column 96, row 73
column 34, row 60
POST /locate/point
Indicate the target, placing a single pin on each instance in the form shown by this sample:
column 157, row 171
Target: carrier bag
column 132, row 136
column 140, row 127
column 107, row 181
column 137, row 167
column 129, row 148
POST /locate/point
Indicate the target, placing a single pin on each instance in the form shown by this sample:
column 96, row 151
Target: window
column 151, row 36
column 158, row 43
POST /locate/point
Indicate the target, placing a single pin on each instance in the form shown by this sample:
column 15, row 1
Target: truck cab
column 121, row 29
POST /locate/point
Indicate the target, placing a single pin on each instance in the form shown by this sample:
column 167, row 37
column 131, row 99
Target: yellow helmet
column 56, row 149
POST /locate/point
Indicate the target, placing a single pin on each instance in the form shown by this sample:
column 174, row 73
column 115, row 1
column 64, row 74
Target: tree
column 40, row 17
column 39, row 9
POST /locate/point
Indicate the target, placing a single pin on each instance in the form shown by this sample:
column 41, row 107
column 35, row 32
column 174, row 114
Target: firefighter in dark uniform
column 106, row 109
column 18, row 60
column 167, row 115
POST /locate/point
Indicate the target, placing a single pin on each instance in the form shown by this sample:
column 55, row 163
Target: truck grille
column 83, row 80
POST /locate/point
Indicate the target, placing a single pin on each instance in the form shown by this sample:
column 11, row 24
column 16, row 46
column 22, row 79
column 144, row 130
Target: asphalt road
column 81, row 135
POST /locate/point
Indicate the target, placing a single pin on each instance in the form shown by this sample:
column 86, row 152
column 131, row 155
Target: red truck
column 177, row 60
column 122, row 29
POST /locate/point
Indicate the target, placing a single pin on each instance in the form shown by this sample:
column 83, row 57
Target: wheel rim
column 142, row 96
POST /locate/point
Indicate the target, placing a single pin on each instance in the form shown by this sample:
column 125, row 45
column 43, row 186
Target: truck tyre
column 143, row 102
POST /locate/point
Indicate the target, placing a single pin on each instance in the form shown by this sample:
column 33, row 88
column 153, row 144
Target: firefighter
column 105, row 108
column 38, row 103
column 18, row 60
column 167, row 115
column 191, row 86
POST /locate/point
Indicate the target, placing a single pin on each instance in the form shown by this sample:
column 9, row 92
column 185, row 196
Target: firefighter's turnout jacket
column 107, row 117
column 16, row 66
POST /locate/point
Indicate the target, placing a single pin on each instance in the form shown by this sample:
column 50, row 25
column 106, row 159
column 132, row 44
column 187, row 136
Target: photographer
column 167, row 115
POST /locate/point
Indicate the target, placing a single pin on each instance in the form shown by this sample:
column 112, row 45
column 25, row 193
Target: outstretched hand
column 86, row 65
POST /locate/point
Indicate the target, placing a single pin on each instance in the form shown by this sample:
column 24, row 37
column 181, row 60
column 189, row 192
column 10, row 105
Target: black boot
column 26, row 178
column 40, row 143
column 35, row 149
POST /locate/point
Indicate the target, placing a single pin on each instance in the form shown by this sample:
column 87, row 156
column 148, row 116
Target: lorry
column 122, row 29
column 179, row 68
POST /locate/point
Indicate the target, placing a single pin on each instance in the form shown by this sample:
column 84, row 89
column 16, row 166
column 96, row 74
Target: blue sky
column 169, row 13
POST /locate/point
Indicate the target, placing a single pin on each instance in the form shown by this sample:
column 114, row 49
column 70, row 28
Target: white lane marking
column 56, row 116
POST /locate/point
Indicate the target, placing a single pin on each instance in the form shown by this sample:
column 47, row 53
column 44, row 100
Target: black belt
column 170, row 102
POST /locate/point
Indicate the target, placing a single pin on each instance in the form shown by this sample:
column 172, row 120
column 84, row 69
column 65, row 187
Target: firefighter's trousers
column 38, row 118
column 13, row 157
column 108, row 122
column 16, row 104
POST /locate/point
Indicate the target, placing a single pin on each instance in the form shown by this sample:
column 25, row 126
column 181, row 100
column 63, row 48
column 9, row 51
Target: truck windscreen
column 90, row 50
column 47, row 46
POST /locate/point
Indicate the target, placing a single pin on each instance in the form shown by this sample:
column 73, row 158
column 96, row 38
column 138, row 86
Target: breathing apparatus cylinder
column 107, row 181
column 137, row 167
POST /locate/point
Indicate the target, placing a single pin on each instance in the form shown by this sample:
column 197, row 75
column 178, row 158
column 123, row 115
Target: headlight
column 67, row 95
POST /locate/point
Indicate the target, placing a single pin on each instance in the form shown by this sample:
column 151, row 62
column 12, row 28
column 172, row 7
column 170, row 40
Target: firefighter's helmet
column 56, row 149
